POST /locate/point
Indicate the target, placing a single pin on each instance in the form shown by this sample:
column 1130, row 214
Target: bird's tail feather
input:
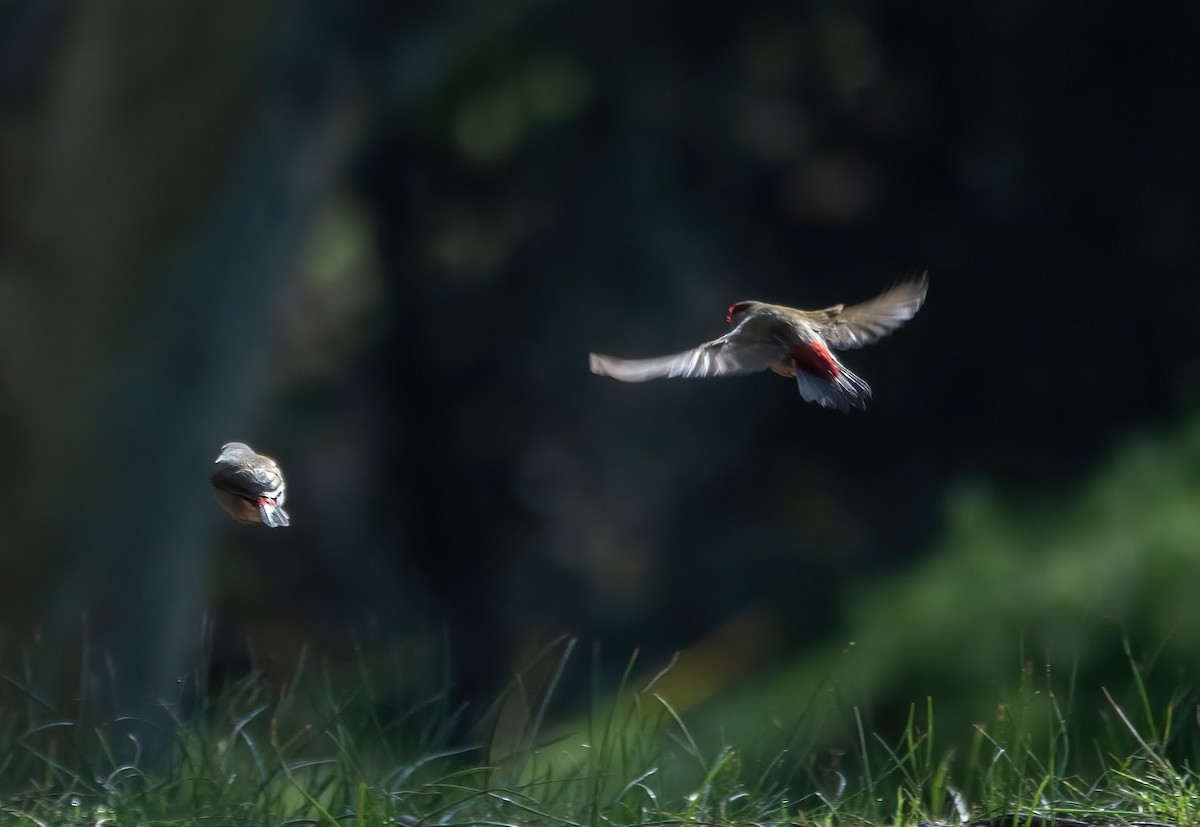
column 273, row 515
column 845, row 391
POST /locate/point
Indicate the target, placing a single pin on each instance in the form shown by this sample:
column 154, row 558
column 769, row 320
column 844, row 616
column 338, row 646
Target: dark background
column 377, row 240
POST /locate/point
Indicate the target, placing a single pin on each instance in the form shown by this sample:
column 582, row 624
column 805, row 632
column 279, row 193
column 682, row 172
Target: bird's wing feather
column 751, row 347
column 861, row 324
column 247, row 482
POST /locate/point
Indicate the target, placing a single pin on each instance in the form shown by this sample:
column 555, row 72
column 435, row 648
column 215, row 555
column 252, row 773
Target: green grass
column 847, row 734
column 321, row 750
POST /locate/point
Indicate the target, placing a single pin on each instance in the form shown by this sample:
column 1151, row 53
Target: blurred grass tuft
column 328, row 748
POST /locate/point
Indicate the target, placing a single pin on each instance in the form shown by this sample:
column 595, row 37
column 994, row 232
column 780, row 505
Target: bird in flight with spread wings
column 794, row 343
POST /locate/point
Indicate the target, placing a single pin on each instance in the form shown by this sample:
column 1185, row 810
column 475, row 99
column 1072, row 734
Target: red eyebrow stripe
column 735, row 308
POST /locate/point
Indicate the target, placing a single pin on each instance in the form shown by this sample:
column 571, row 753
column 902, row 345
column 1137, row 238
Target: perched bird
column 791, row 342
column 250, row 486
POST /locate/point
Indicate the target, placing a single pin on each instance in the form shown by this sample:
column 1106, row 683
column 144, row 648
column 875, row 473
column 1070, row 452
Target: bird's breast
column 786, row 369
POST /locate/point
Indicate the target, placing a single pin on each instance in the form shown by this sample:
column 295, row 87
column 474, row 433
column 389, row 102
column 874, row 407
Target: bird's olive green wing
column 861, row 324
column 753, row 346
column 248, row 482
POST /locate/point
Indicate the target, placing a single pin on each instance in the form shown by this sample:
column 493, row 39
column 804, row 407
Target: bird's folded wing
column 722, row 357
column 248, row 483
column 862, row 324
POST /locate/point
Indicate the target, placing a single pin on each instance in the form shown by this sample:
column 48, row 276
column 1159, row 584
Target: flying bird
column 250, row 486
column 790, row 342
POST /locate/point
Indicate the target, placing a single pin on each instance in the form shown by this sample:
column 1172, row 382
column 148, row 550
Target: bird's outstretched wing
column 753, row 346
column 861, row 324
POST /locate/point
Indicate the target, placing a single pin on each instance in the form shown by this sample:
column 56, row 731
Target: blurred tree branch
column 160, row 164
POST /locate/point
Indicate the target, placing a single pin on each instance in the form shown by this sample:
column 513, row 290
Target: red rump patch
column 816, row 359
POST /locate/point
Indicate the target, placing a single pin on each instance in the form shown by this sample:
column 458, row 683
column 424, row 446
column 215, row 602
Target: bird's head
column 738, row 311
column 234, row 452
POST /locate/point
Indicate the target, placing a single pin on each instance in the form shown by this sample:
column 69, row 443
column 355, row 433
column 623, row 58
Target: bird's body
column 794, row 343
column 250, row 486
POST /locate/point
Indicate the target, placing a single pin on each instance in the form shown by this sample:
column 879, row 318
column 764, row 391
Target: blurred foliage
column 1072, row 594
